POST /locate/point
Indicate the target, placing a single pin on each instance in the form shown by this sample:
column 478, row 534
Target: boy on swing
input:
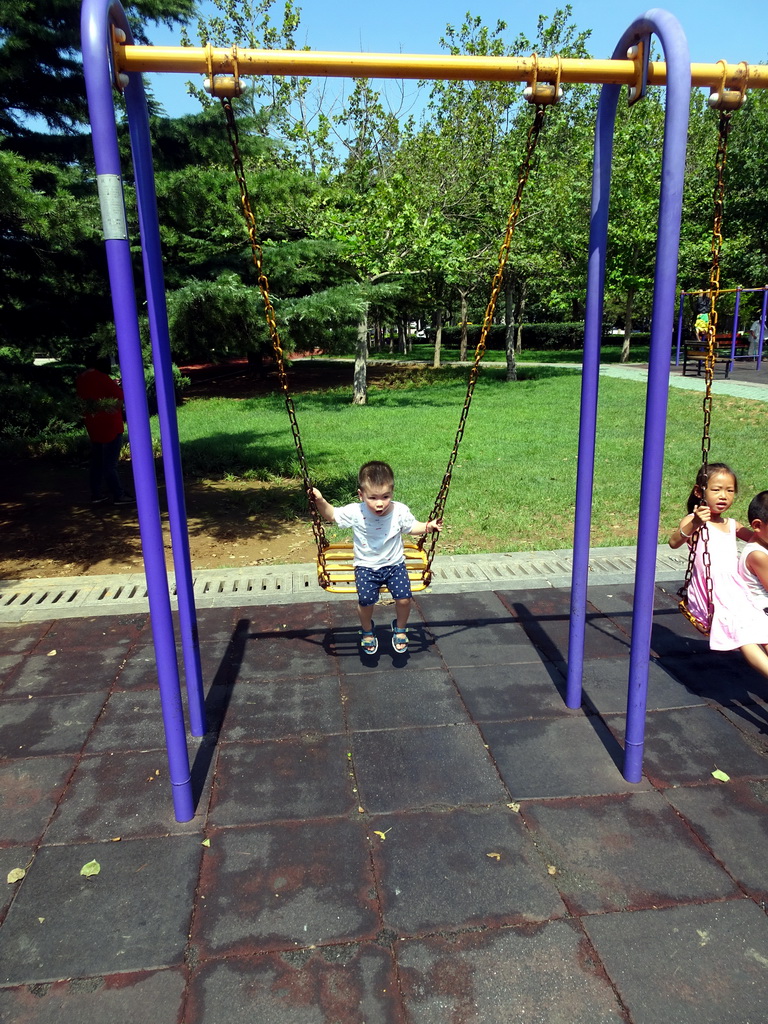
column 378, row 524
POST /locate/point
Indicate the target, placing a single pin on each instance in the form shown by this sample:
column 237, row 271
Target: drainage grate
column 22, row 600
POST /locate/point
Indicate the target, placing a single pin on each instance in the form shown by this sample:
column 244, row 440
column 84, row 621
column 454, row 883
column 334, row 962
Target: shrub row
column 555, row 337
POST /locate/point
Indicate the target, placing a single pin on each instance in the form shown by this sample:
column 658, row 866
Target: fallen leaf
column 91, row 868
column 551, row 869
column 721, row 776
column 41, row 919
column 496, row 856
column 514, row 807
column 206, row 842
column 116, row 839
column 51, row 653
column 361, row 810
column 383, row 835
column 15, row 875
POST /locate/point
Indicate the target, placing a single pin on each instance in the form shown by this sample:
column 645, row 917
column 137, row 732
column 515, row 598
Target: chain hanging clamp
column 722, row 97
column 544, row 93
column 223, row 86
column 120, row 78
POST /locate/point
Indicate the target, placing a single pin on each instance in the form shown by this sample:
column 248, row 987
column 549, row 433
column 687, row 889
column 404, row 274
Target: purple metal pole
column 735, row 328
column 138, row 125
column 762, row 328
column 593, row 327
column 679, row 328
column 96, row 19
column 675, row 49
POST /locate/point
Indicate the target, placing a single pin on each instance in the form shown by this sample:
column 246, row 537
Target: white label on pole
column 112, row 206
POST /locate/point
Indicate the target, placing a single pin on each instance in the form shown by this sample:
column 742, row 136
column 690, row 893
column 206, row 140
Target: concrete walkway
column 415, row 839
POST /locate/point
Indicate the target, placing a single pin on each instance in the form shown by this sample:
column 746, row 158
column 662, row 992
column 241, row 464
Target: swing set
column 335, row 569
column 112, row 61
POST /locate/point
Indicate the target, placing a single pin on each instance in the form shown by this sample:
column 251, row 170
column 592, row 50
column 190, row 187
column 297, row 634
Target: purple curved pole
column 96, row 18
column 675, row 49
column 593, row 327
column 146, row 199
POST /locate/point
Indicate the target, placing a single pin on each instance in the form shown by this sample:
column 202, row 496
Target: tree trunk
column 402, row 336
column 360, row 387
column 509, row 332
column 256, row 362
column 522, row 295
column 438, row 338
column 627, row 324
column 463, row 292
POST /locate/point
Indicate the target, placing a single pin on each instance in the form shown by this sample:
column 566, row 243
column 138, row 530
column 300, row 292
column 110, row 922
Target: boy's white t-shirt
column 376, row 540
column 757, row 591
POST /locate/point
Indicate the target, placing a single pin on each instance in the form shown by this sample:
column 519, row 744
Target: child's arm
column 757, row 563
column 325, row 508
column 431, row 526
column 744, row 533
column 688, row 526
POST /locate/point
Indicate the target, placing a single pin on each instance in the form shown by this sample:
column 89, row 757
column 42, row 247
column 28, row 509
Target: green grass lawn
column 514, row 481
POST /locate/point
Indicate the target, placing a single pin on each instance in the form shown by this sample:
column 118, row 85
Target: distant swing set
column 112, row 62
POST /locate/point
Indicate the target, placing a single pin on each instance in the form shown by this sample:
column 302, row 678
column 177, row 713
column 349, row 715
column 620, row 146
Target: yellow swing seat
column 336, row 573
column 702, row 627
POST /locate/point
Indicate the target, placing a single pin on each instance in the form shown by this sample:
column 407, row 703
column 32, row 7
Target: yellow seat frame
column 336, row 573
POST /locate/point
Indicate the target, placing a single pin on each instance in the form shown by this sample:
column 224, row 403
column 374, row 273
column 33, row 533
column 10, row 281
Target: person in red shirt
column 102, row 399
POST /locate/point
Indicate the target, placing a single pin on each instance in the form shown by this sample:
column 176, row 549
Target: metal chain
column 525, row 170
column 713, row 293
column 257, row 254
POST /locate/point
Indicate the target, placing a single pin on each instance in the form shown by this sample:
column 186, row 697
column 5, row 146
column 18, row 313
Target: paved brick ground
column 411, row 840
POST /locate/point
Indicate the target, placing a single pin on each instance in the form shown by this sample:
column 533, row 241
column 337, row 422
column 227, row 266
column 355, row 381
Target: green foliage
column 180, row 383
column 36, row 400
column 397, row 222
column 213, row 320
column 40, row 70
column 537, row 336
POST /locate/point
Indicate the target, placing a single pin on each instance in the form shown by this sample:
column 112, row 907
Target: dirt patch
column 48, row 527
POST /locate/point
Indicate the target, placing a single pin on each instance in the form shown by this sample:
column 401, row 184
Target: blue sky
column 732, row 31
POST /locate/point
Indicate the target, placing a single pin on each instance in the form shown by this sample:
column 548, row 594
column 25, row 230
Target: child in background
column 378, row 524
column 753, row 561
column 736, row 622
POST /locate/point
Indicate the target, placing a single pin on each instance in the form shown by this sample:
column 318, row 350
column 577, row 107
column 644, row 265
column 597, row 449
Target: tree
column 463, row 167
column 41, row 76
column 284, row 108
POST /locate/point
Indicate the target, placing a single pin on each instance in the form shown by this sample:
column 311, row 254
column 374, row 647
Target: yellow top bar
column 316, row 63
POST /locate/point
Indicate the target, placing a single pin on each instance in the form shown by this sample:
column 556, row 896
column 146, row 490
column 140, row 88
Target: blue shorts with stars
column 394, row 577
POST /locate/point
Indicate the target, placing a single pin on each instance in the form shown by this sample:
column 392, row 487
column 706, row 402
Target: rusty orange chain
column 257, row 254
column 713, row 293
column 525, row 169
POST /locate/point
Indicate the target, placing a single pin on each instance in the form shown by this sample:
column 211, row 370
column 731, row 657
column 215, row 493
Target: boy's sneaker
column 99, row 501
column 125, row 499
